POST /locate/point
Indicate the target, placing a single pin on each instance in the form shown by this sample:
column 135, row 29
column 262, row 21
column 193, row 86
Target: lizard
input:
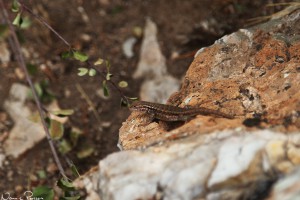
column 171, row 113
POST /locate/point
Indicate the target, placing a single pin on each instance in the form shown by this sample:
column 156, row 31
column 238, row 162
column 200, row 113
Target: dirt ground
column 99, row 28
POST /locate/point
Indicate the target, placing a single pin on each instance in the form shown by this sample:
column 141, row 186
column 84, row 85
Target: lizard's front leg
column 143, row 118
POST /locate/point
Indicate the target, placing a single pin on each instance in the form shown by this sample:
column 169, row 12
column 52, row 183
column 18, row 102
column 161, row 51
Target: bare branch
column 103, row 75
column 40, row 19
column 16, row 47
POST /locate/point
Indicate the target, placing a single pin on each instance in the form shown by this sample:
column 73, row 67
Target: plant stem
column 103, row 75
column 16, row 47
column 40, row 19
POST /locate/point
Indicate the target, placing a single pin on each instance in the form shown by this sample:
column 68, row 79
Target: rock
column 288, row 187
column 253, row 73
column 158, row 84
column 152, row 61
column 4, row 54
column 25, row 133
column 158, row 89
column 9, row 175
column 198, row 166
column 5, row 124
column 127, row 47
column 2, row 159
column 19, row 188
column 89, row 182
column 52, row 168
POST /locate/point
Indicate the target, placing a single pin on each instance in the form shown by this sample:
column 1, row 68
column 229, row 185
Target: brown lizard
column 172, row 113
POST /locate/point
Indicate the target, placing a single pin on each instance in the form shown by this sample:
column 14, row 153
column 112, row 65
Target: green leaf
column 42, row 174
column 32, row 69
column 15, row 6
column 47, row 119
column 108, row 75
column 82, row 71
column 92, row 72
column 85, row 152
column 108, row 65
column 74, row 135
column 99, row 61
column 26, row 23
column 75, row 171
column 123, row 84
column 56, row 129
column 42, row 192
column 65, row 185
column 105, row 88
column 39, row 91
column 63, row 113
column 67, row 54
column 80, row 56
column 133, row 98
column 47, row 96
column 42, row 89
column 124, row 102
column 64, row 146
column 18, row 20
column 44, row 83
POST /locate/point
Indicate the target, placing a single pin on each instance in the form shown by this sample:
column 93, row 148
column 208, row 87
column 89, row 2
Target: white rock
column 158, row 84
column 190, row 168
column 25, row 132
column 4, row 53
column 152, row 63
column 128, row 47
column 159, row 89
column 2, row 158
column 234, row 157
column 288, row 187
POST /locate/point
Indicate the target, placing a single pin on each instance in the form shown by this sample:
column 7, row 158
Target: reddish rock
column 253, row 73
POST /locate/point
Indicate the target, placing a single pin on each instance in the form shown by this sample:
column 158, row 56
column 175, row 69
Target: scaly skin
column 172, row 113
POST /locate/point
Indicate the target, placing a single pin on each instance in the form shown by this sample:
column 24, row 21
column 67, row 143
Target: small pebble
column 9, row 175
column 33, row 177
column 51, row 168
column 19, row 188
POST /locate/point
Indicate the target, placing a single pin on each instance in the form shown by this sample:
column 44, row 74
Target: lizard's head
column 137, row 106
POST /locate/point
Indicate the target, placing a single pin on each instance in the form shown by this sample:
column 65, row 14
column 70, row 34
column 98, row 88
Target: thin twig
column 40, row 19
column 17, row 51
column 103, row 75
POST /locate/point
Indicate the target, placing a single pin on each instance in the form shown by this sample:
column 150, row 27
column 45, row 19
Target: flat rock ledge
column 254, row 74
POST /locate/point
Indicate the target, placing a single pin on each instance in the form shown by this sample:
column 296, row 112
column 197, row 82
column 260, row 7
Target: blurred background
column 111, row 30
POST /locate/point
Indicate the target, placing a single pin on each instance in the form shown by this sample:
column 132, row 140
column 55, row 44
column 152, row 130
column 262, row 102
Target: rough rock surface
column 288, row 187
column 229, row 163
column 253, row 73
